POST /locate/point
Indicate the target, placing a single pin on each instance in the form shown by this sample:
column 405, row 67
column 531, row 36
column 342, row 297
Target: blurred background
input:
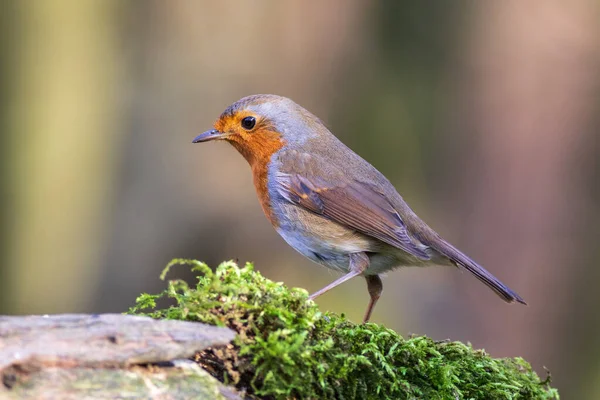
column 484, row 115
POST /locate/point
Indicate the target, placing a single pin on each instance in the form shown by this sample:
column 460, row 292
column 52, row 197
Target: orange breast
column 260, row 175
column 257, row 150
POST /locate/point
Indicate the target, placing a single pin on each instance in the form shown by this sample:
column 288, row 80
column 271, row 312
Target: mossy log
column 269, row 342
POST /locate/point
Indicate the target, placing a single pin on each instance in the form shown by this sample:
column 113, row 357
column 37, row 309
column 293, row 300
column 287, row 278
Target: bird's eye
column 248, row 123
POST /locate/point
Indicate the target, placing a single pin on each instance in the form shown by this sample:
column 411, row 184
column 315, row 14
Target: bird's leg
column 375, row 288
column 358, row 264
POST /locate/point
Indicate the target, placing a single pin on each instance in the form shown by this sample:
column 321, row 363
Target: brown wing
column 356, row 205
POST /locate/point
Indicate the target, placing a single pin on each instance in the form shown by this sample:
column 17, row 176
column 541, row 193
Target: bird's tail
column 461, row 260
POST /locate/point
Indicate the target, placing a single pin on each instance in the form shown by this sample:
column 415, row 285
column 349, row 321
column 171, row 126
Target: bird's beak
column 213, row 134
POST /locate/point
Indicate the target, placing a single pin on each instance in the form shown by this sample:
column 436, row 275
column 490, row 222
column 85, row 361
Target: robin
column 327, row 202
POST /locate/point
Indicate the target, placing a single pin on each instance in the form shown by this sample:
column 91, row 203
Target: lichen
column 287, row 349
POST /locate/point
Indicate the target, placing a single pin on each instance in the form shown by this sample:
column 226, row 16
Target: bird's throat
column 258, row 153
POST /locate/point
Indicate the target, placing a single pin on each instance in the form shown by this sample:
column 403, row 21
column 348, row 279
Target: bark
column 74, row 356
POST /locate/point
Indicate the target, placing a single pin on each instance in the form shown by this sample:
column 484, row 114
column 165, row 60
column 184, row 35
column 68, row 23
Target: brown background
column 483, row 114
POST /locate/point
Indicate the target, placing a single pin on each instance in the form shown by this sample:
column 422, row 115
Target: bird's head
column 259, row 125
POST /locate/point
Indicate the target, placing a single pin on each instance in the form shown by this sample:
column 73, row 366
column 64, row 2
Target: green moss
column 287, row 348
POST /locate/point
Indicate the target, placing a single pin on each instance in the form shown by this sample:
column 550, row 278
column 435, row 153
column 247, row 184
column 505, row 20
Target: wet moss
column 287, row 348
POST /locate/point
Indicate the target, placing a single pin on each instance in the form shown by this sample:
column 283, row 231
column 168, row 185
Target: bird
column 328, row 203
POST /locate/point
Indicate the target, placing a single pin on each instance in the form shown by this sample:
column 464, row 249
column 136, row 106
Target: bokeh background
column 484, row 114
